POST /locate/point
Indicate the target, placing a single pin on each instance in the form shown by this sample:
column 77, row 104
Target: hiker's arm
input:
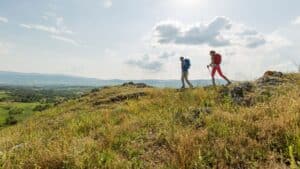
column 212, row 62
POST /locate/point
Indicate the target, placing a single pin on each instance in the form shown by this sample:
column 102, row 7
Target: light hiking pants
column 184, row 78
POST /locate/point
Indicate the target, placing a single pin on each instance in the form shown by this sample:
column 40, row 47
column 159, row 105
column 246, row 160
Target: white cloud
column 153, row 63
column 59, row 27
column 220, row 32
column 65, row 39
column 197, row 34
column 49, row 29
column 247, row 54
column 167, row 55
column 44, row 28
column 3, row 19
column 107, row 3
column 146, row 63
column 296, row 21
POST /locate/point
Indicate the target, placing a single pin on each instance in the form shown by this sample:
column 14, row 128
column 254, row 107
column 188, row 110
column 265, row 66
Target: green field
column 27, row 110
column 22, row 102
column 3, row 95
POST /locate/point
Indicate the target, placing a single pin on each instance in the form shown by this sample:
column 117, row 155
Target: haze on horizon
column 143, row 39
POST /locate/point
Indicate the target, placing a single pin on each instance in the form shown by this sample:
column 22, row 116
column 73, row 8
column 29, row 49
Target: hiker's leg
column 182, row 80
column 213, row 72
column 186, row 76
column 222, row 75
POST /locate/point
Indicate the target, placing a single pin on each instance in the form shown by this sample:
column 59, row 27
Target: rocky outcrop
column 248, row 93
column 239, row 94
column 270, row 78
column 120, row 98
column 137, row 85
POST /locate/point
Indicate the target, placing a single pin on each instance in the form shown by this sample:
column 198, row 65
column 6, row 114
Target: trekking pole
column 208, row 69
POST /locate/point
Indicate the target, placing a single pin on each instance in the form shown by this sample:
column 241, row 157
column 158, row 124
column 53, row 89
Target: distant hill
column 36, row 79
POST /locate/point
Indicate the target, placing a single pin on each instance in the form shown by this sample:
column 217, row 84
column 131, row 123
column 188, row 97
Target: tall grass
column 159, row 130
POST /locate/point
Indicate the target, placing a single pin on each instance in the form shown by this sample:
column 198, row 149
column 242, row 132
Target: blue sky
column 142, row 39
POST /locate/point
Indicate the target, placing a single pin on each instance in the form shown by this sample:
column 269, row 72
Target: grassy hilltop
column 247, row 125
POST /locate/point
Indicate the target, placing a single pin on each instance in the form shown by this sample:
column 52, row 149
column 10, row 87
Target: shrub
column 10, row 120
column 41, row 107
column 15, row 111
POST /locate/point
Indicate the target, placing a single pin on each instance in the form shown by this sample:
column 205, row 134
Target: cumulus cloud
column 146, row 63
column 3, row 19
column 197, row 34
column 220, row 32
column 167, row 55
column 153, row 63
column 107, row 3
column 65, row 39
column 296, row 21
column 254, row 42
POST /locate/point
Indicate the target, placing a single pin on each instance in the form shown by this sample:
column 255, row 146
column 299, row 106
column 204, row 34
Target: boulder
column 270, row 78
column 239, row 94
column 269, row 81
column 273, row 73
column 247, row 86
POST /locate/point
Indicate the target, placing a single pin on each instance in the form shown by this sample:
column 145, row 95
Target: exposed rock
column 95, row 90
column 239, row 93
column 271, row 78
column 203, row 110
column 127, row 96
column 119, row 98
column 247, row 93
column 161, row 141
column 19, row 146
column 128, row 84
column 273, row 73
column 247, row 86
column 137, row 85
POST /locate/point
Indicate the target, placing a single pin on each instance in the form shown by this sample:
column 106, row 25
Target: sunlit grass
column 159, row 130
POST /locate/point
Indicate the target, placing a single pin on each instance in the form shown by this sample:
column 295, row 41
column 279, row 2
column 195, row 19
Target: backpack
column 217, row 59
column 187, row 64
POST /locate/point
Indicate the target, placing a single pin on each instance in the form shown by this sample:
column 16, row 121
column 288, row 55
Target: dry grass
column 159, row 130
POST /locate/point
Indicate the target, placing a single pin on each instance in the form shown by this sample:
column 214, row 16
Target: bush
column 15, row 111
column 41, row 107
column 11, row 120
column 95, row 90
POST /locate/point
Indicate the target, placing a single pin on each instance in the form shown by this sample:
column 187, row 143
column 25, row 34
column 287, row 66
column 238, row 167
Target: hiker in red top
column 216, row 60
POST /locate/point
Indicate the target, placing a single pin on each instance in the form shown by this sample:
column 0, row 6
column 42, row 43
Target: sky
column 143, row 39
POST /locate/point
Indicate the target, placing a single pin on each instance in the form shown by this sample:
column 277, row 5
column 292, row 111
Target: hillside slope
column 247, row 125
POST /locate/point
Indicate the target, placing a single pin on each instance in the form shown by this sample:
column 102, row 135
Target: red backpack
column 217, row 59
